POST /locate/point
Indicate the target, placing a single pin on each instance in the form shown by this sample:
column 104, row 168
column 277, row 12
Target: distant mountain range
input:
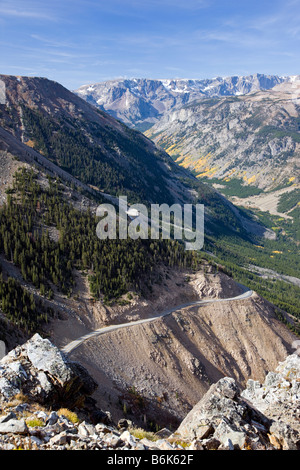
column 253, row 138
column 142, row 102
column 234, row 132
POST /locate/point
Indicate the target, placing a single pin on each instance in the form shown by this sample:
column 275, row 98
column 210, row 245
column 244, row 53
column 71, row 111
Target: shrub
column 70, row 415
column 140, row 433
column 34, row 422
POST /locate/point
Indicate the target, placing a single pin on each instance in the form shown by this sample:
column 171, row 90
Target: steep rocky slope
column 87, row 143
column 159, row 370
column 247, row 140
column 142, row 102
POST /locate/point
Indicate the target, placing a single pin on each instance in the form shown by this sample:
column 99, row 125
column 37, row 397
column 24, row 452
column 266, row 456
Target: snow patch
column 209, row 87
column 176, row 90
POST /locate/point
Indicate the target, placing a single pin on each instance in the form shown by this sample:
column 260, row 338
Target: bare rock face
column 44, row 374
column 263, row 416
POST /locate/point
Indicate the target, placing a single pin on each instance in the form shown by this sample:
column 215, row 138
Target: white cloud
column 26, row 10
column 53, row 42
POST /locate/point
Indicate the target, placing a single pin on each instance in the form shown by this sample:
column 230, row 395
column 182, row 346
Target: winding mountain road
column 76, row 343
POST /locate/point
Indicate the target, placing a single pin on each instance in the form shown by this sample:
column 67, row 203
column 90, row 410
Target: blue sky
column 76, row 42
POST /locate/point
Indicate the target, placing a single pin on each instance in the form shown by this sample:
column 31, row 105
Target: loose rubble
column 37, row 382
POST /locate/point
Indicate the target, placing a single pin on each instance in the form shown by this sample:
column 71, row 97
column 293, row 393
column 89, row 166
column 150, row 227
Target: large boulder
column 224, row 416
column 41, row 372
column 263, row 416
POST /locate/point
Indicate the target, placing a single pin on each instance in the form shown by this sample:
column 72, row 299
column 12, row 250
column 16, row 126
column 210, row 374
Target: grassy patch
column 140, row 433
column 70, row 415
column 273, row 132
column 34, row 422
column 235, row 187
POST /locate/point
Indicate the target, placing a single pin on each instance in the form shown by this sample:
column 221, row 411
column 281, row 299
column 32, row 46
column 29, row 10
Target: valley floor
column 266, row 202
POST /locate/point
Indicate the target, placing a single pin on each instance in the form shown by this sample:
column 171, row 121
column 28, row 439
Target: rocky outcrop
column 262, row 417
column 42, row 373
column 53, row 431
column 223, row 418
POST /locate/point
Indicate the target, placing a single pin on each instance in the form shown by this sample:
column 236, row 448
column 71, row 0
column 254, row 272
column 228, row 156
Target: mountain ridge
column 142, row 102
column 75, row 135
column 98, row 150
column 254, row 138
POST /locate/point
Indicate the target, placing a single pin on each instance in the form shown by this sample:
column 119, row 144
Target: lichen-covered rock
column 39, row 370
column 15, row 426
column 281, row 387
column 43, row 356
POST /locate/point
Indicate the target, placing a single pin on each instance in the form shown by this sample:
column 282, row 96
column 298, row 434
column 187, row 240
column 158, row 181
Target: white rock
column 86, row 430
column 15, row 426
column 128, row 438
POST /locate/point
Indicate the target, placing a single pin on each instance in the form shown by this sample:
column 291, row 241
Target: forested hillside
column 115, row 266
column 107, row 156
